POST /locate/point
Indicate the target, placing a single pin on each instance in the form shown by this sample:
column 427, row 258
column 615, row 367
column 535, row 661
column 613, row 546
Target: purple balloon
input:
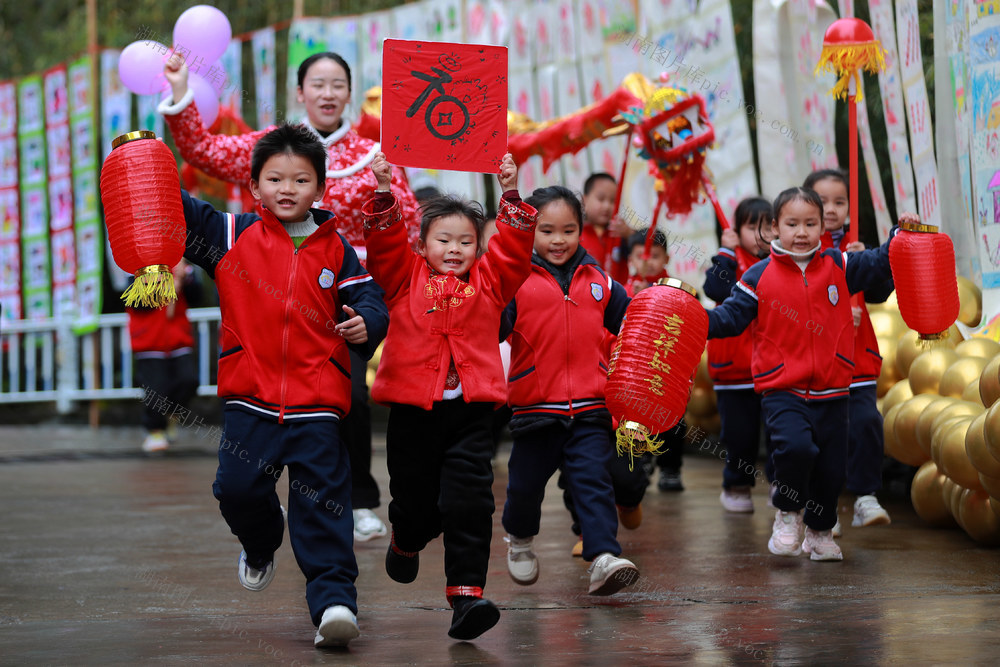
column 204, row 31
column 140, row 67
column 216, row 77
column 205, row 98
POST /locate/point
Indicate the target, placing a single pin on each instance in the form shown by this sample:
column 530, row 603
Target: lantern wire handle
column 153, row 287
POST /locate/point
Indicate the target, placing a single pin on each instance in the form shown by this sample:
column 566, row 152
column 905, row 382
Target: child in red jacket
column 442, row 375
column 866, row 444
column 798, row 300
column 729, row 358
column 556, row 391
column 293, row 297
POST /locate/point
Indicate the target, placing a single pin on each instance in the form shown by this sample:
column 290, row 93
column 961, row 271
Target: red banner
column 444, row 105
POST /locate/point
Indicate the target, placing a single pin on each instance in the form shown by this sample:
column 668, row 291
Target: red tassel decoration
column 144, row 215
column 652, row 366
column 923, row 268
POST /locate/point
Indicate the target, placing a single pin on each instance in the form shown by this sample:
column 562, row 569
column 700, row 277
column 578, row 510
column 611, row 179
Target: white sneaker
column 786, row 534
column 737, row 499
column 819, row 545
column 156, row 441
column 521, row 561
column 367, row 526
column 338, row 626
column 252, row 578
column 838, row 530
column 867, row 512
column 609, row 574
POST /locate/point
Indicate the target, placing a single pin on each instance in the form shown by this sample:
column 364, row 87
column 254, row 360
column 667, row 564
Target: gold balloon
column 907, row 349
column 955, row 462
column 975, row 448
column 897, row 394
column 990, row 484
column 925, row 422
column 995, row 504
column 926, row 495
column 888, row 431
column 978, row 518
column 946, row 486
column 711, row 424
column 702, row 402
column 957, row 378
column 993, row 431
column 701, row 376
column 971, row 393
column 889, row 375
column 977, row 346
column 989, row 382
column 927, row 369
column 905, row 430
column 891, row 303
column 955, row 503
column 937, row 438
column 886, row 323
column 970, row 299
column 954, row 336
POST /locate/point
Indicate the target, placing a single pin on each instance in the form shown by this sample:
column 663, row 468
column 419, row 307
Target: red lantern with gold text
column 923, row 268
column 141, row 194
column 653, row 363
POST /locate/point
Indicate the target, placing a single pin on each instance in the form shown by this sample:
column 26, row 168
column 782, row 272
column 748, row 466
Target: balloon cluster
column 201, row 35
column 941, row 408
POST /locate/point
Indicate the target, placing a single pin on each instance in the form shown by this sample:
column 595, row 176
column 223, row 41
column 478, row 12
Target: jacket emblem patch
column 326, row 279
column 596, row 291
column 833, row 294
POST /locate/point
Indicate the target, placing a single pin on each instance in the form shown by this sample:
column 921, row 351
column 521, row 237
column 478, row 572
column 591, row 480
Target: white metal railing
column 43, row 360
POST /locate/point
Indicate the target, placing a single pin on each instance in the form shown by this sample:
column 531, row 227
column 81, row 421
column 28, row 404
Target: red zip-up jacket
column 279, row 354
column 558, row 357
column 159, row 333
column 729, row 358
column 803, row 336
column 867, row 360
column 436, row 320
column 604, row 248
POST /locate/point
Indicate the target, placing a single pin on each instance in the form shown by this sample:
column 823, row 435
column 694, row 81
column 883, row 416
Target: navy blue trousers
column 441, row 481
column 739, row 412
column 253, row 453
column 356, row 434
column 810, row 454
column 583, row 451
column 176, row 378
column 866, row 445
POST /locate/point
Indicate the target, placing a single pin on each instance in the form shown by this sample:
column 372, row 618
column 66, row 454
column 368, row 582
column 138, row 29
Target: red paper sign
column 444, row 106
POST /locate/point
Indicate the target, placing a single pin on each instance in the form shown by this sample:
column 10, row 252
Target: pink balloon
column 205, row 98
column 216, row 77
column 203, row 31
column 140, row 67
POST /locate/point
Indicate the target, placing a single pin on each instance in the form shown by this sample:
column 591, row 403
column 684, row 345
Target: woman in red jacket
column 442, row 376
column 324, row 87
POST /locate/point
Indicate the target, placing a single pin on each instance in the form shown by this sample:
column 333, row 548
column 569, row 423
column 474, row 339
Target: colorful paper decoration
column 652, row 365
column 444, row 105
column 144, row 215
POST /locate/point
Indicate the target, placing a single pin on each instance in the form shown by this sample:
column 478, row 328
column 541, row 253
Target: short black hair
column 293, row 140
column 449, row 204
column 542, row 197
column 639, row 238
column 797, row 194
column 426, row 193
column 592, row 180
column 308, row 62
column 752, row 211
column 823, row 174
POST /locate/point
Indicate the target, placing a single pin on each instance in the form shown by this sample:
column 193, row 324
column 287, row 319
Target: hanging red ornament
column 849, row 45
column 923, row 268
column 144, row 215
column 653, row 363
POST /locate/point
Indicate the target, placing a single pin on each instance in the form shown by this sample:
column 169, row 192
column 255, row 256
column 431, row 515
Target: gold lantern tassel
column 636, row 439
column 153, row 287
column 847, row 60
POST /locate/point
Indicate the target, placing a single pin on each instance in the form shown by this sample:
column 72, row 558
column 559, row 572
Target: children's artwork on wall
column 444, row 20
column 265, row 85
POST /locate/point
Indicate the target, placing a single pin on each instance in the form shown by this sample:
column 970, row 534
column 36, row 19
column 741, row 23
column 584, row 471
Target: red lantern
column 653, row 363
column 141, row 194
column 923, row 268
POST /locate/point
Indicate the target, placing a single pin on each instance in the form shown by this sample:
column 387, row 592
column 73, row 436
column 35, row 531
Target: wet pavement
column 110, row 557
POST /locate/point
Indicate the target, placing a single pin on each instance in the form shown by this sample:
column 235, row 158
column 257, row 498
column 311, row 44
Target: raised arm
column 735, row 314
column 359, row 292
column 218, row 155
column 869, row 269
column 390, row 257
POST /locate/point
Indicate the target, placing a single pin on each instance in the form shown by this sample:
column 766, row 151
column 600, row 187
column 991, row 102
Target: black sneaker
column 472, row 617
column 670, row 480
column 401, row 566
